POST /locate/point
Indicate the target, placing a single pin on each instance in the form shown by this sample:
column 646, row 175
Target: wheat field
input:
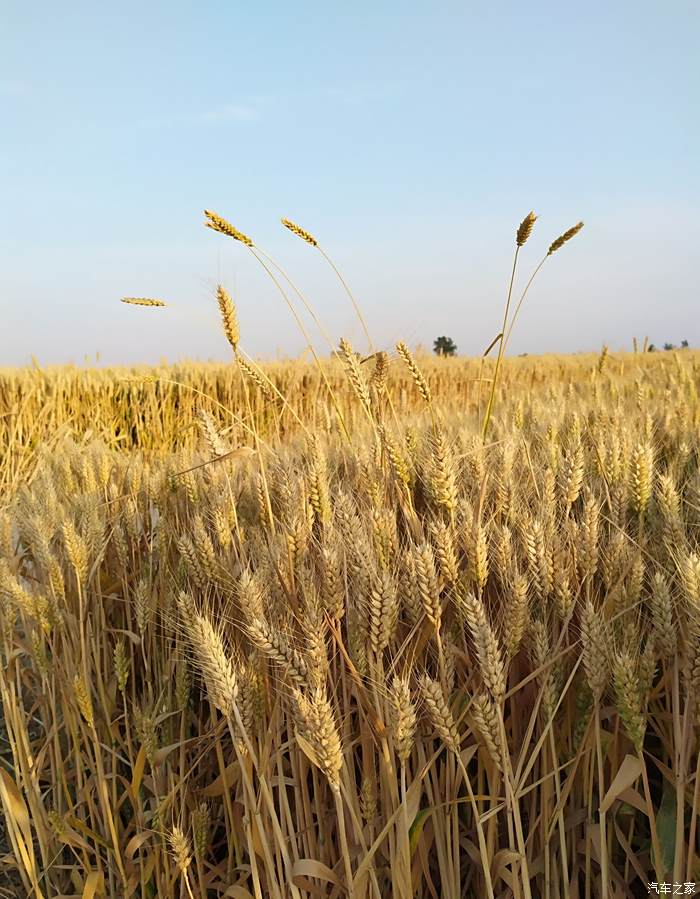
column 383, row 626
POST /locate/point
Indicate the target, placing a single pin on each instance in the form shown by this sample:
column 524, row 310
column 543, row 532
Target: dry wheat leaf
column 94, row 883
column 628, row 772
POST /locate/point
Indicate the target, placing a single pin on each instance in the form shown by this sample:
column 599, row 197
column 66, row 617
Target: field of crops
column 301, row 631
column 369, row 626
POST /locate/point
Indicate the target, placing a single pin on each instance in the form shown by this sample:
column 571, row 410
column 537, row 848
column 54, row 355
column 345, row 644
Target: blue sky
column 410, row 138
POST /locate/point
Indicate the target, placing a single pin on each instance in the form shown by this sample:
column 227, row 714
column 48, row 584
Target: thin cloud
column 236, row 112
column 11, row 88
column 361, row 94
column 232, row 112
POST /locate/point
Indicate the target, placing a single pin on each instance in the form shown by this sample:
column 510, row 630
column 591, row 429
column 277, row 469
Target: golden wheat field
column 385, row 626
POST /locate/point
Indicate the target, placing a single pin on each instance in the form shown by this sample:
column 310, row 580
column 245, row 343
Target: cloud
column 250, row 110
column 232, row 112
column 363, row 93
column 236, row 112
column 11, row 88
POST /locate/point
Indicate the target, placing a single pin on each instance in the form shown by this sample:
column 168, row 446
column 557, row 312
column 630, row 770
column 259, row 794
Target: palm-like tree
column 444, row 346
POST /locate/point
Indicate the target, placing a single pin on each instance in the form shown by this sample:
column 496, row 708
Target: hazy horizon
column 410, row 141
column 419, row 350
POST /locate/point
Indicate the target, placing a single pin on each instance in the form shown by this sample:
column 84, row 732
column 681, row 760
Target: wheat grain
column 142, row 301
column 525, row 229
column 295, row 229
column 566, row 236
column 217, row 223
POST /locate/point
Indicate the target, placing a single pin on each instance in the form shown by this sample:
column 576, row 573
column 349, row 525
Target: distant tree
column 684, row 344
column 651, row 348
column 444, row 346
column 669, row 346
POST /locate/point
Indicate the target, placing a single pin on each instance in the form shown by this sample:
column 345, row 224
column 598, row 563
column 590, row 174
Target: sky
column 410, row 138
